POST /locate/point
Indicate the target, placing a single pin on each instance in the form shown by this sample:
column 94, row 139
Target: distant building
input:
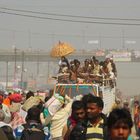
column 119, row 56
column 136, row 55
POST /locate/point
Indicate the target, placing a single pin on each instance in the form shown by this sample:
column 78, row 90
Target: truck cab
column 72, row 90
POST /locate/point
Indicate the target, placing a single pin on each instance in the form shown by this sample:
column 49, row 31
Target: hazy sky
column 86, row 24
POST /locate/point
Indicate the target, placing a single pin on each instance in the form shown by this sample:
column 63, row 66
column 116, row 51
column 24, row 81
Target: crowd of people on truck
column 91, row 71
column 59, row 117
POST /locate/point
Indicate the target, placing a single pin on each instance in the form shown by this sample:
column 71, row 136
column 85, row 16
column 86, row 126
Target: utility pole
column 48, row 72
column 22, row 70
column 100, row 41
column 15, row 61
column 84, row 38
column 37, row 63
column 15, row 55
column 123, row 39
column 29, row 40
column 7, row 74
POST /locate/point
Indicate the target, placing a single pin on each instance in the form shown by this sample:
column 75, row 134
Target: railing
column 109, row 82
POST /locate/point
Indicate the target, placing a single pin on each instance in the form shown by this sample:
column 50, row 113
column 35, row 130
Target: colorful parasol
column 61, row 49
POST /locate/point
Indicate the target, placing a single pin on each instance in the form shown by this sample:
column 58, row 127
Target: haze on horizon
column 86, row 24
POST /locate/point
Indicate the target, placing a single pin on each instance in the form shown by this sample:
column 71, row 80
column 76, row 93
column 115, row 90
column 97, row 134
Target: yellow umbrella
column 61, row 49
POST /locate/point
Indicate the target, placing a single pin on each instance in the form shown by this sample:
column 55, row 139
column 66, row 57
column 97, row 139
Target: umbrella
column 61, row 49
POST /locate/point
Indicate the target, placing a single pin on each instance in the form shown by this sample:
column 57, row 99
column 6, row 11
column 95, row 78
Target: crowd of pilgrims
column 53, row 116
column 91, row 71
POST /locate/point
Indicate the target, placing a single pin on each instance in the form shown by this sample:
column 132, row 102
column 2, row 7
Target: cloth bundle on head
column 30, row 102
column 51, row 107
column 15, row 97
column 54, row 103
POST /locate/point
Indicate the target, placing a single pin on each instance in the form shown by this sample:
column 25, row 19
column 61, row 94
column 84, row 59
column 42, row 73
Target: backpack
column 33, row 132
column 78, row 132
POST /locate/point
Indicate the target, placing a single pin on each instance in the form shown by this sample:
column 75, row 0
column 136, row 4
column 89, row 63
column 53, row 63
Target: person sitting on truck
column 114, row 69
column 109, row 66
column 96, row 73
column 73, row 72
column 83, row 72
column 63, row 64
column 105, row 70
column 85, row 68
column 96, row 69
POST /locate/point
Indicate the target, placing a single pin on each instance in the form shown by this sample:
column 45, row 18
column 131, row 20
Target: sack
column 33, row 132
column 78, row 132
column 54, row 104
column 30, row 103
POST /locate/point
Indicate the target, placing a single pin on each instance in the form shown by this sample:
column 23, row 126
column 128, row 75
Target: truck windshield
column 74, row 90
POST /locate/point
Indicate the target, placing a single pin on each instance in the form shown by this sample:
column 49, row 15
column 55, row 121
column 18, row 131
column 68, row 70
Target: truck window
column 74, row 90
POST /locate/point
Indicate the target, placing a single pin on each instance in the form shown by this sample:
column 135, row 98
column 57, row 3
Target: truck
column 105, row 91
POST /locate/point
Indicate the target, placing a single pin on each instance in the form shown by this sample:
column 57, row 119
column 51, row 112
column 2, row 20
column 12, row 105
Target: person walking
column 119, row 124
column 96, row 120
column 76, row 119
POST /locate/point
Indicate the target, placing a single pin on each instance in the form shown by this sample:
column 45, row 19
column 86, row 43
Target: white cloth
column 7, row 113
column 59, row 120
column 4, row 124
column 22, row 113
column 109, row 66
column 54, row 104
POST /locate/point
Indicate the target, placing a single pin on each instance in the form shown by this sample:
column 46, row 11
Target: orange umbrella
column 61, row 49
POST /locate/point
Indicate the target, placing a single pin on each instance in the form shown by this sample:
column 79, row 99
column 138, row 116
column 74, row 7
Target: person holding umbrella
column 63, row 63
